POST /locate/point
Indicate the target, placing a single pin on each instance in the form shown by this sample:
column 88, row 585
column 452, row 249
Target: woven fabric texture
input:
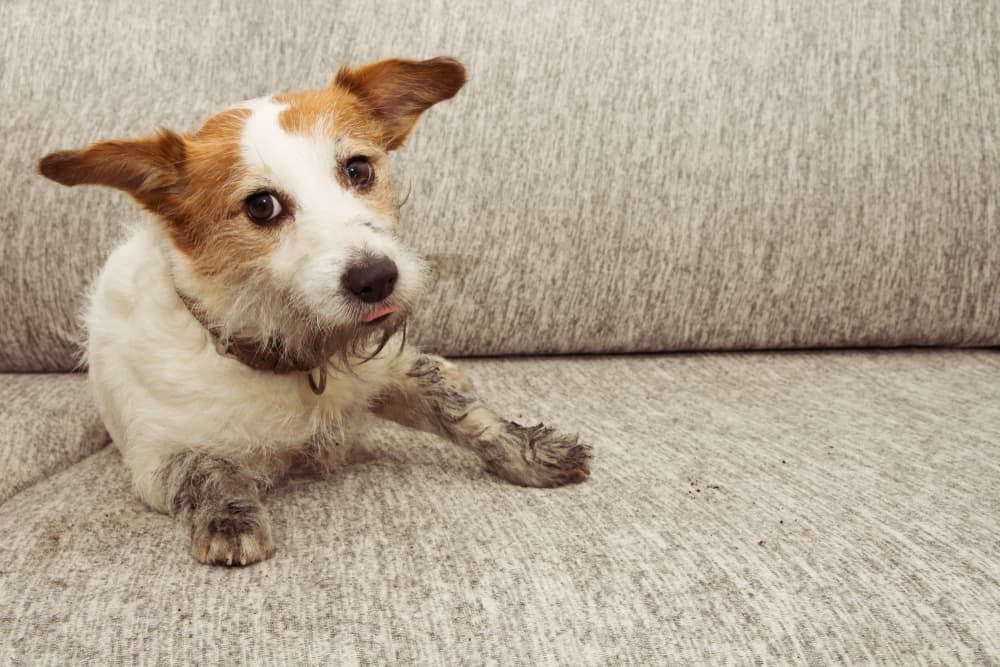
column 661, row 176
column 756, row 508
column 47, row 423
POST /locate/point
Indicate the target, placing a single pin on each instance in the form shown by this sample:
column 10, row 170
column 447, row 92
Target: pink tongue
column 381, row 312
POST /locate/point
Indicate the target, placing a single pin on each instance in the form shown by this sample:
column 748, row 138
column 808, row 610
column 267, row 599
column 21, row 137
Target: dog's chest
column 157, row 374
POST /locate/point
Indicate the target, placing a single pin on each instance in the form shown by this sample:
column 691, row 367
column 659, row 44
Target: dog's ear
column 397, row 91
column 148, row 168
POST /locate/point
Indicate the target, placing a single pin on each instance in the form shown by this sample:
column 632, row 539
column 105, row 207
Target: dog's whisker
column 402, row 341
column 409, row 189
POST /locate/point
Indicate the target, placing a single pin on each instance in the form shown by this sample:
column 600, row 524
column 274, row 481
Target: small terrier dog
column 256, row 316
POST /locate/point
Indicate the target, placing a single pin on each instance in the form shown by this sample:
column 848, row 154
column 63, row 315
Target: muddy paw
column 547, row 458
column 237, row 533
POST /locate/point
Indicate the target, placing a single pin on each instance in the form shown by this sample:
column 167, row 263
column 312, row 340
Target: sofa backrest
column 614, row 178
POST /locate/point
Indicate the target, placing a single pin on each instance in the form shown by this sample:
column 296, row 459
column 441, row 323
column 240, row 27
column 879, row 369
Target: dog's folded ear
column 397, row 91
column 148, row 168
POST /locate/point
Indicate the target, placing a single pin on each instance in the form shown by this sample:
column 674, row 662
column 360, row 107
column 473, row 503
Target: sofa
column 750, row 252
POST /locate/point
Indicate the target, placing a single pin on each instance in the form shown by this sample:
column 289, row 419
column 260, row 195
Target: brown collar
column 267, row 356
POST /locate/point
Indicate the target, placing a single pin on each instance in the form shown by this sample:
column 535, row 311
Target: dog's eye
column 360, row 172
column 263, row 207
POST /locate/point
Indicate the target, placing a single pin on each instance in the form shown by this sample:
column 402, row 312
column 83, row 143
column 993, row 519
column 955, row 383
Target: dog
column 256, row 319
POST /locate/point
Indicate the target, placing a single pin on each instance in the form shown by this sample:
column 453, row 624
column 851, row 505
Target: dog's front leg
column 431, row 394
column 219, row 499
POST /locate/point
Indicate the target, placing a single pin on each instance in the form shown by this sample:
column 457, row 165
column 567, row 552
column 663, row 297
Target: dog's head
column 280, row 211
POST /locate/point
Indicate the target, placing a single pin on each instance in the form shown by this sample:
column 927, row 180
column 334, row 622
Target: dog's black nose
column 371, row 279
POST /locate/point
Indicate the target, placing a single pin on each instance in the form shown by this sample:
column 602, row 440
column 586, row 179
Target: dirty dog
column 256, row 317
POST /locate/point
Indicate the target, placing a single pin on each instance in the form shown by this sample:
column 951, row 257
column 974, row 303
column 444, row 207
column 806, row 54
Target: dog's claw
column 232, row 540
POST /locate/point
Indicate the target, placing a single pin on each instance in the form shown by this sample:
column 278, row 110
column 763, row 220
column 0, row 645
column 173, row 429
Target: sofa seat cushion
column 778, row 507
column 47, row 422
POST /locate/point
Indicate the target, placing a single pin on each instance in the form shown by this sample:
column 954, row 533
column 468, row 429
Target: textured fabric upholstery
column 657, row 176
column 614, row 178
column 47, row 423
column 756, row 508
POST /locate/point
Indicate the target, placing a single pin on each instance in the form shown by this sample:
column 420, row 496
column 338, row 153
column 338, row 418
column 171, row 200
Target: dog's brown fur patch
column 334, row 111
column 146, row 167
column 193, row 182
column 209, row 225
column 396, row 91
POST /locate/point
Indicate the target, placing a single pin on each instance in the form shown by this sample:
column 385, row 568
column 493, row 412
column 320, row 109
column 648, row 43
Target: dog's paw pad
column 547, row 458
column 237, row 535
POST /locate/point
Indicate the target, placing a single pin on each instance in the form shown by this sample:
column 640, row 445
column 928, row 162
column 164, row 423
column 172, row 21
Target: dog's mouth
column 380, row 314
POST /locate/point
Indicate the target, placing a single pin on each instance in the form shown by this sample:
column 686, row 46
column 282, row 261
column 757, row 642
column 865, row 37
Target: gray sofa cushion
column 761, row 507
column 651, row 177
column 47, row 423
